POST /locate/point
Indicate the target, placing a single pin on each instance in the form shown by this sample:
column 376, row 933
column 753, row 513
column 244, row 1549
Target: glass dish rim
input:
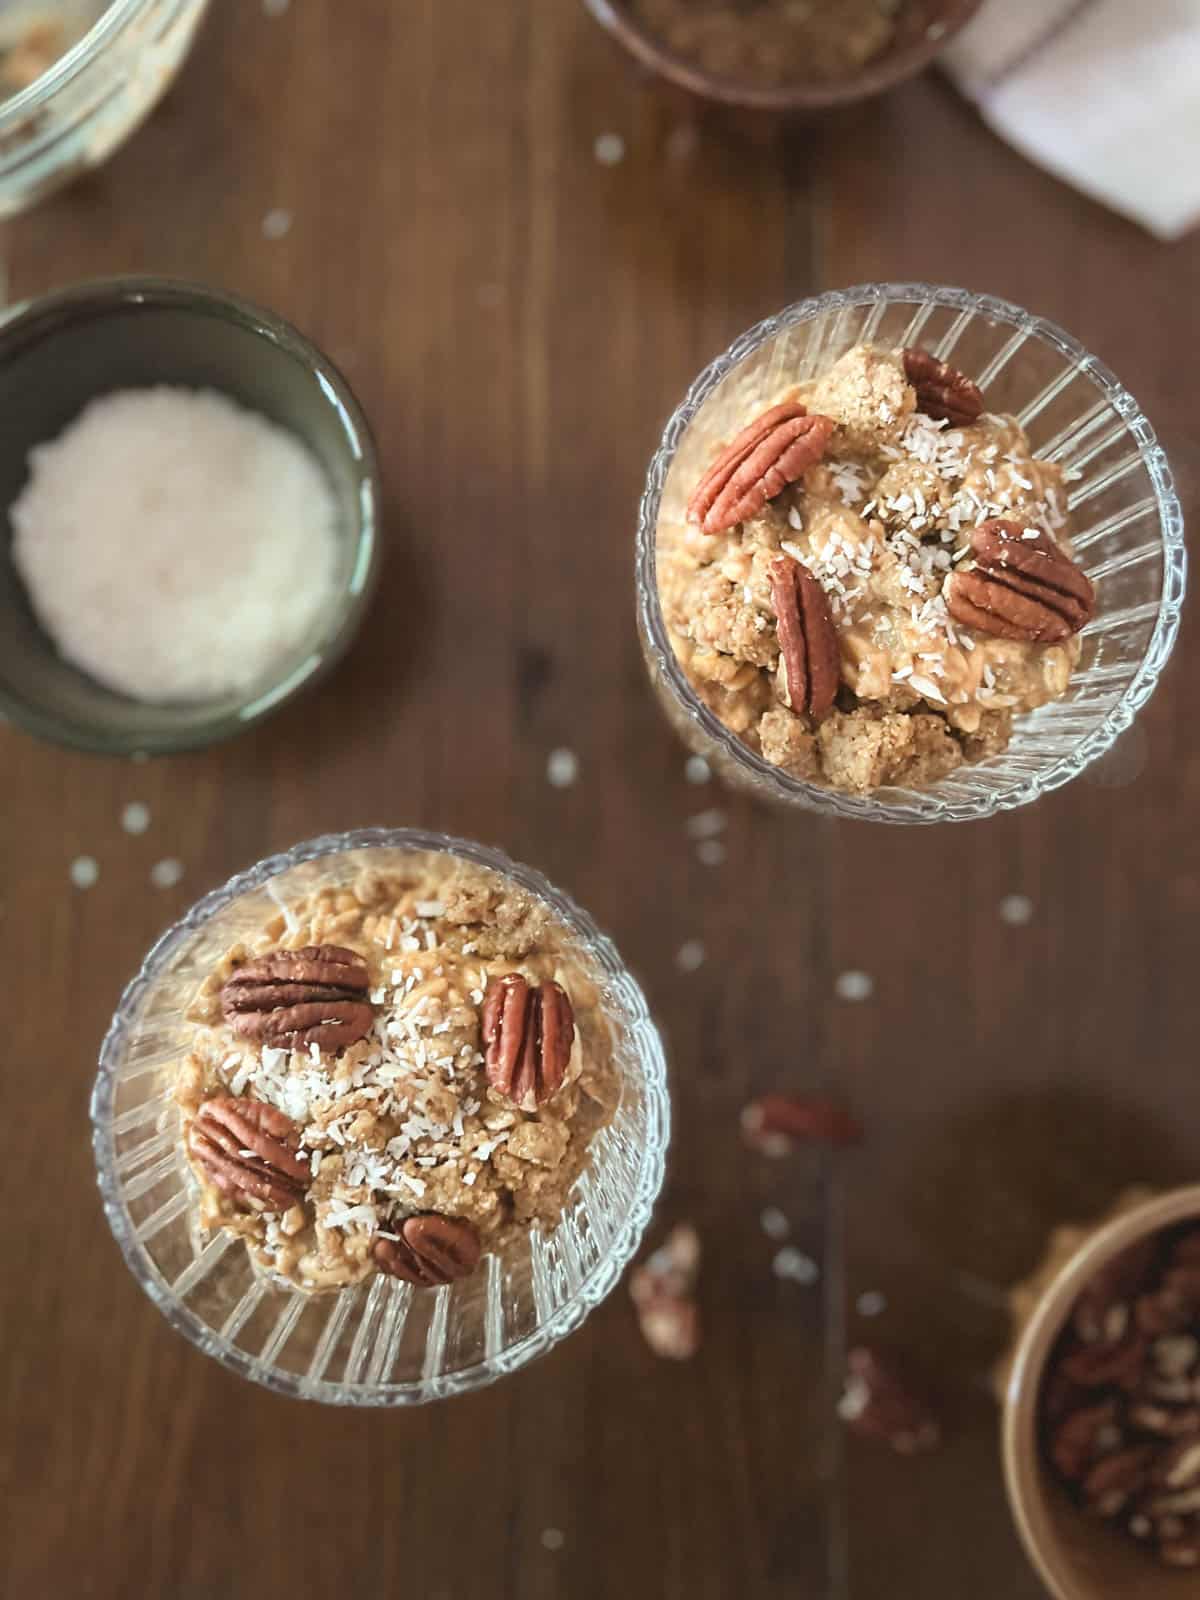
column 1170, row 522
column 117, row 292
column 593, row 1288
column 107, row 26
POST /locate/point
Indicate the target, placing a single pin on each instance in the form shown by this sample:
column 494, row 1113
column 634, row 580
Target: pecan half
column 1060, row 1398
column 1019, row 588
column 776, row 449
column 1094, row 1365
column 249, row 1151
column 1103, row 1310
column 1169, row 1421
column 1179, row 1467
column 527, row 1039
column 943, row 392
column 879, row 1403
column 431, row 1250
column 1078, row 1441
column 775, row 1124
column 293, row 998
column 1109, row 1486
column 808, row 640
column 1182, row 1552
column 1160, row 1313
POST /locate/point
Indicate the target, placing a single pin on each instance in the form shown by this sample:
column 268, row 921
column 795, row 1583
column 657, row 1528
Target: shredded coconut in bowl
column 175, row 546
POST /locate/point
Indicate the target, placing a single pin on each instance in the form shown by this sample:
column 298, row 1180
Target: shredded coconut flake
column 85, row 872
column 705, row 824
column 135, row 818
column 166, row 874
column 794, row 1266
column 562, row 768
column 222, row 523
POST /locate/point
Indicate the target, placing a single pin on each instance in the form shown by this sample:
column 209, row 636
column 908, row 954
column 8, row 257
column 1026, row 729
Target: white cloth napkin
column 1103, row 93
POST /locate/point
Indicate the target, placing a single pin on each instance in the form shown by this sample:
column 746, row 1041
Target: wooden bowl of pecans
column 787, row 56
column 1101, row 1429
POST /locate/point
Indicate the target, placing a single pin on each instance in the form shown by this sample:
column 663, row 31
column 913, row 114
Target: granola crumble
column 882, row 522
column 403, row 1123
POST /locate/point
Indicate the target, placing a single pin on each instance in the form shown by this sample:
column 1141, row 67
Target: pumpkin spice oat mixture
column 395, row 1076
column 874, row 578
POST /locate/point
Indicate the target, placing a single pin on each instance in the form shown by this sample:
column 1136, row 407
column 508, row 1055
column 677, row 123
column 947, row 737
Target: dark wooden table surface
column 519, row 317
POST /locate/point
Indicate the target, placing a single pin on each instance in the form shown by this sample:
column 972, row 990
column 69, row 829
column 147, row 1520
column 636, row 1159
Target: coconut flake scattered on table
column 175, row 546
column 690, row 956
column 609, row 149
column 775, row 1223
column 85, row 872
column 854, row 986
column 794, row 1266
column 562, row 768
column 705, row 824
column 167, row 873
column 1016, row 910
column 135, row 818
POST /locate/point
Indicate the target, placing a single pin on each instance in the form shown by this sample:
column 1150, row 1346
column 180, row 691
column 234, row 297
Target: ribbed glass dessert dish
column 381, row 1342
column 93, row 97
column 1126, row 528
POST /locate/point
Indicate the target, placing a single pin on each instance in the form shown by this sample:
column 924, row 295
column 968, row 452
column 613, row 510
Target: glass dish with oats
column 381, row 1120
column 907, row 553
column 77, row 77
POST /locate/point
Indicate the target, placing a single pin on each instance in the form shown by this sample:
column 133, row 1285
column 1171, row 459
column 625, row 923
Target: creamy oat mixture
column 883, row 521
column 403, row 1123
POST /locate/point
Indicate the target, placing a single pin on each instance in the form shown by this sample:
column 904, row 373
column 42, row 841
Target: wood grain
column 518, row 320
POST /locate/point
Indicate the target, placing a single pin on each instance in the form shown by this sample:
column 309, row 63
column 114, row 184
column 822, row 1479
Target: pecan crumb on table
column 874, row 576
column 663, row 1291
column 880, row 1401
column 774, row 42
column 396, row 1077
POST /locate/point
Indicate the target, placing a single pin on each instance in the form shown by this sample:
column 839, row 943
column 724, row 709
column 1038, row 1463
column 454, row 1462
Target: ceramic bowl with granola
column 888, row 565
column 789, row 57
column 1101, row 1398
column 414, row 1098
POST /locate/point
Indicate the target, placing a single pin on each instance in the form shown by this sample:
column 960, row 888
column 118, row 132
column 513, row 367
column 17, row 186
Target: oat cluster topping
column 337, row 1092
column 939, row 542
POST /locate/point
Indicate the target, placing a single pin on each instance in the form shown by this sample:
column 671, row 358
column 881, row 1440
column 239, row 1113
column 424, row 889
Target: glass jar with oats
column 380, row 1120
